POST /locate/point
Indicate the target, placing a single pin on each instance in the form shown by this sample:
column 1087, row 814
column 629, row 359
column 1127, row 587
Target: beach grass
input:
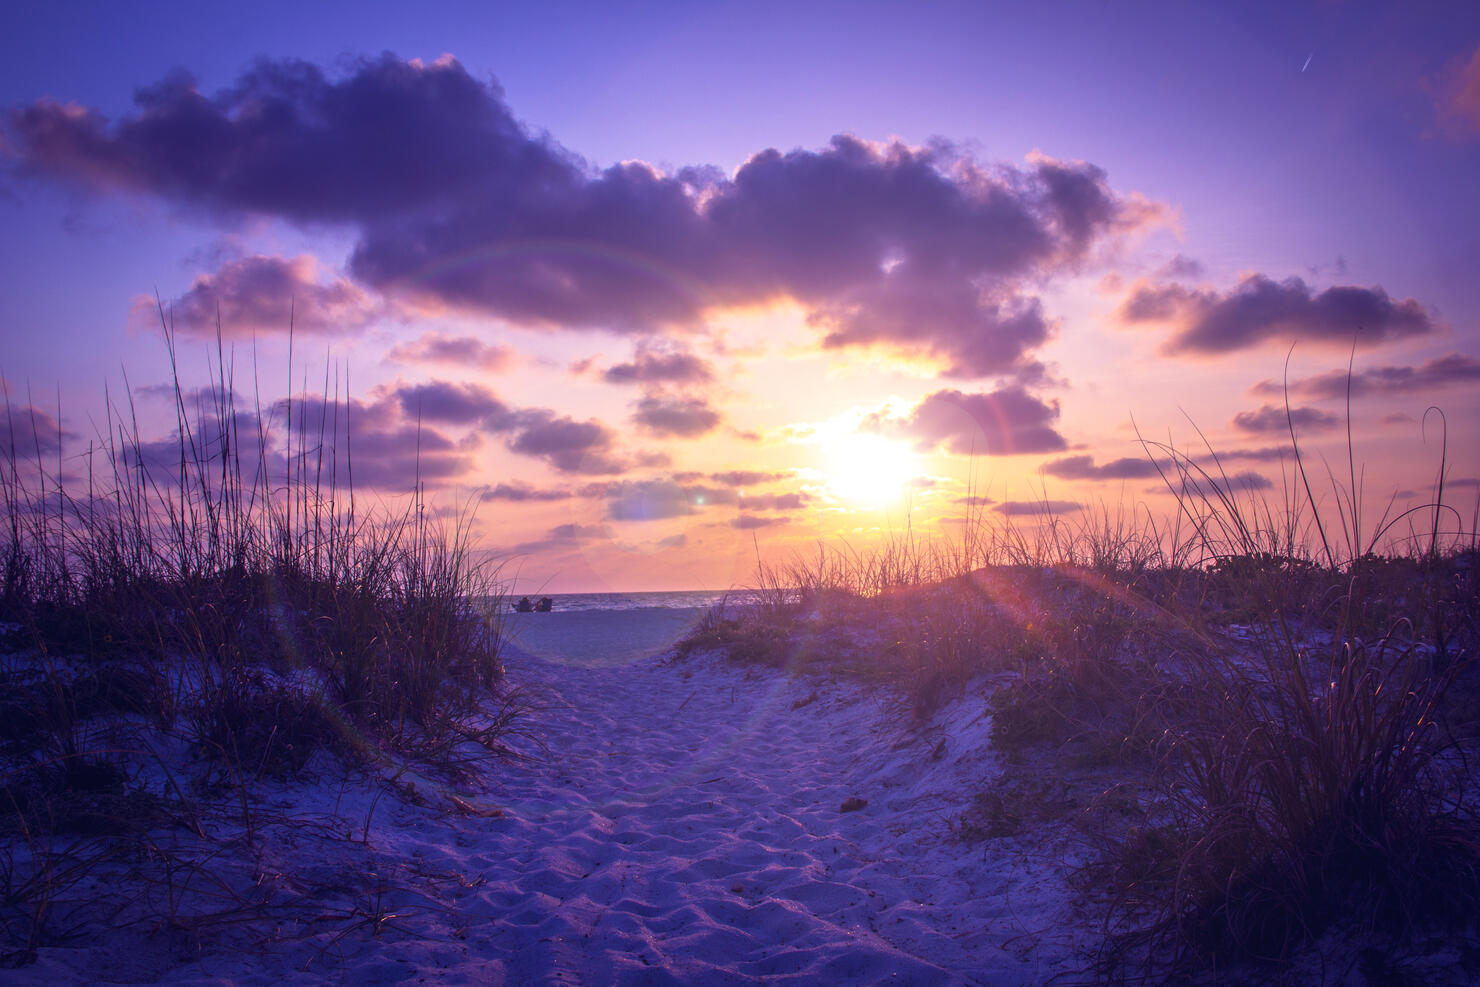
column 227, row 596
column 1256, row 717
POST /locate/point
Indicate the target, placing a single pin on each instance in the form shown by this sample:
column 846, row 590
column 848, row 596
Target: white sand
column 684, row 826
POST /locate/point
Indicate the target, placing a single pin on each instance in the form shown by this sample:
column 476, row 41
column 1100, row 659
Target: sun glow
column 867, row 470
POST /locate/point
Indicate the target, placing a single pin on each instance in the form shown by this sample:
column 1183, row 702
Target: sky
column 653, row 290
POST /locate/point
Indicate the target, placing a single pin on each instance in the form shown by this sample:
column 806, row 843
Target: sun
column 867, row 470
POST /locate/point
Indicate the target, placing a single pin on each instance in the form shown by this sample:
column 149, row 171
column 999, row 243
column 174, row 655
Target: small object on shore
column 524, row 606
column 853, row 803
column 545, row 605
column 805, row 702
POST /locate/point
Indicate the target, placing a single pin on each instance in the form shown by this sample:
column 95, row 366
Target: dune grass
column 1258, row 715
column 226, row 594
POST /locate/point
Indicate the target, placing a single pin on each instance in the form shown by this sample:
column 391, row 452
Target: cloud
column 1456, row 93
column 1084, row 468
column 1249, row 480
column 1037, row 508
column 375, row 444
column 1260, row 309
column 749, row 522
column 748, row 478
column 452, row 403
column 1444, row 371
column 1272, row 418
column 265, row 294
column 460, row 351
column 1004, row 422
column 1180, row 266
column 651, row 366
column 656, row 500
column 27, row 431
column 562, row 536
column 453, row 202
column 675, row 417
column 519, row 493
column 775, row 502
column 567, row 445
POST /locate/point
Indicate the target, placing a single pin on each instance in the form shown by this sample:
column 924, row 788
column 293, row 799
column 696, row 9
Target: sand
column 675, row 822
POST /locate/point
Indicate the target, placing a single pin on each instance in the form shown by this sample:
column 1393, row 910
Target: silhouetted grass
column 1276, row 704
column 230, row 595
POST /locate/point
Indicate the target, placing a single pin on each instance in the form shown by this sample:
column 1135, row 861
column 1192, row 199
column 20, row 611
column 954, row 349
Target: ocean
column 702, row 599
column 603, row 629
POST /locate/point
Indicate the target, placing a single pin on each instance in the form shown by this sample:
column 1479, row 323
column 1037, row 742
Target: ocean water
column 680, row 600
column 604, row 629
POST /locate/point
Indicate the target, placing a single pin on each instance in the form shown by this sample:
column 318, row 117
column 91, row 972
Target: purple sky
column 659, row 286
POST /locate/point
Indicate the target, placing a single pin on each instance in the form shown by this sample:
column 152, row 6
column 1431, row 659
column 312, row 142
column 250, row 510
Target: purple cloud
column 568, row 445
column 749, row 522
column 27, row 431
column 1037, row 508
column 655, row 500
column 265, row 294
column 519, row 493
column 1259, row 309
column 1007, row 421
column 675, row 417
column 1272, row 418
column 460, row 351
column 650, row 366
column 453, row 404
column 747, row 478
column 775, row 502
column 374, row 444
column 1444, row 371
column 920, row 250
column 1084, row 468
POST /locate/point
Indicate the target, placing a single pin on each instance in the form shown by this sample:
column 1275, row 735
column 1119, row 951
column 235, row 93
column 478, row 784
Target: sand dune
column 677, row 823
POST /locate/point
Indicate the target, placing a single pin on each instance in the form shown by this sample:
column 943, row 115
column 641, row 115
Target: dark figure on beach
column 524, row 606
column 544, row 605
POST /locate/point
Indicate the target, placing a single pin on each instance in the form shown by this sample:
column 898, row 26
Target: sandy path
column 686, row 827
column 683, row 824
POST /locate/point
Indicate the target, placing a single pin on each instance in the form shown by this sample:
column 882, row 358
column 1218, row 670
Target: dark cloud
column 268, row 295
column 562, row 536
column 27, row 431
column 655, row 500
column 747, row 478
column 1444, row 371
column 1456, row 93
column 460, row 351
column 375, row 444
column 676, row 417
column 1272, row 418
column 1180, row 266
column 454, row 404
column 1260, row 309
column 569, row 446
column 1084, row 468
column 1249, row 480
column 651, row 366
column 974, row 501
column 749, row 522
column 1004, row 422
column 519, row 493
column 1267, row 454
column 920, row 250
column 774, row 502
column 1037, row 508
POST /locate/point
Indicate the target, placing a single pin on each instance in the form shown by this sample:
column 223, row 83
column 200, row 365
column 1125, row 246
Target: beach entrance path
column 693, row 822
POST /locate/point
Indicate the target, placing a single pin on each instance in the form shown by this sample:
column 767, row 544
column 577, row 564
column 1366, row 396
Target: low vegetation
column 220, row 603
column 1256, row 718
